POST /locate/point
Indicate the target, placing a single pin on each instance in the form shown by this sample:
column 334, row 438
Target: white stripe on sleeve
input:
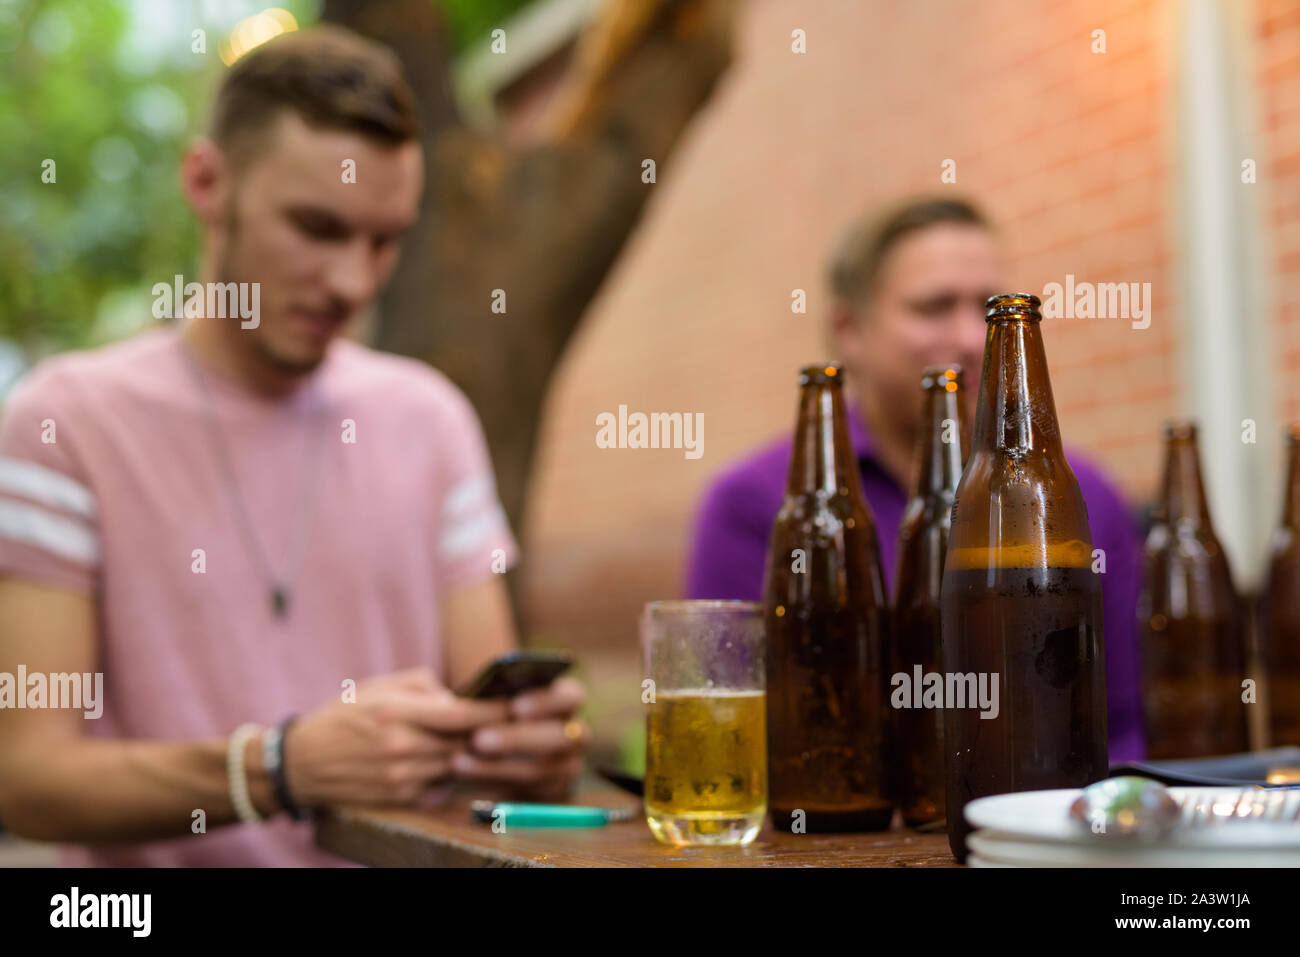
column 46, row 486
column 65, row 537
column 467, row 494
column 465, row 536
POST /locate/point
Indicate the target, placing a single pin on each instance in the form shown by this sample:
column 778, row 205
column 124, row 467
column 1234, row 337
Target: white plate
column 999, row 849
column 1044, row 816
column 974, row 860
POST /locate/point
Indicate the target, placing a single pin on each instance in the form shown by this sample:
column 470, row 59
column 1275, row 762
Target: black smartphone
column 517, row 672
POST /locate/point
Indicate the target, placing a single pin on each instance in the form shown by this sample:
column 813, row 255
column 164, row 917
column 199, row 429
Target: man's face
column 322, row 248
column 926, row 309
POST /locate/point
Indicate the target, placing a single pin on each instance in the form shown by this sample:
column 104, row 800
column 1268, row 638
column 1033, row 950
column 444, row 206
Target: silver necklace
column 279, row 586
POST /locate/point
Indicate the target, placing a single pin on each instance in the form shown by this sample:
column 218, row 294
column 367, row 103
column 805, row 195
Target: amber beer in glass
column 827, row 631
column 1280, row 610
column 922, row 546
column 1019, row 597
column 706, row 752
column 1190, row 619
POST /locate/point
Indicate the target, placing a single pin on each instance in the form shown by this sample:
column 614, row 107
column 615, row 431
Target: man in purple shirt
column 908, row 292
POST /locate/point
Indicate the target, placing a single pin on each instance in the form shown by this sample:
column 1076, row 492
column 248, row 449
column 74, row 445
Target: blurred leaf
column 470, row 21
column 110, row 91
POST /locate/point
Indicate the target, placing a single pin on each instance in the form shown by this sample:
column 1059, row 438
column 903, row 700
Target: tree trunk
column 543, row 225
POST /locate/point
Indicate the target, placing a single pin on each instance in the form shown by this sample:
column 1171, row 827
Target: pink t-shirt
column 111, row 480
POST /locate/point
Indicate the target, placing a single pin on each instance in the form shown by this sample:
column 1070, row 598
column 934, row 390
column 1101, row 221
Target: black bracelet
column 279, row 779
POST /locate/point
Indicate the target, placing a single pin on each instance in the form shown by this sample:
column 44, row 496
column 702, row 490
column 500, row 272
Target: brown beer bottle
column 827, row 631
column 1280, row 609
column 1189, row 619
column 1019, row 598
column 922, row 546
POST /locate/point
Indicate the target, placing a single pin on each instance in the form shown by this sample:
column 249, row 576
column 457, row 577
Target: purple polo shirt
column 729, row 555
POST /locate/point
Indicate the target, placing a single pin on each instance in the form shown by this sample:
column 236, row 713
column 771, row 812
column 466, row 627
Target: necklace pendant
column 280, row 602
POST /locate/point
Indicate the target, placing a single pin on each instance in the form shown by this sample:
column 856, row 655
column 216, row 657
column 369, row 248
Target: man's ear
column 205, row 180
column 843, row 329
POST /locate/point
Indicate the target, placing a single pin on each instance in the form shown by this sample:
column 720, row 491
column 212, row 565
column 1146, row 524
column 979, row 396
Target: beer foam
column 1072, row 554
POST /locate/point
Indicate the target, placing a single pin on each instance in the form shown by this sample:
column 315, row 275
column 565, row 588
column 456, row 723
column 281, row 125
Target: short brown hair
column 329, row 76
column 864, row 245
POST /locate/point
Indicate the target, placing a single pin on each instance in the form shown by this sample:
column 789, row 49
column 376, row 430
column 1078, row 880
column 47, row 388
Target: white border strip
column 1225, row 349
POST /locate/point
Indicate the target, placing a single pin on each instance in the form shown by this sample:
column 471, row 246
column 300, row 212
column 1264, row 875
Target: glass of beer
column 706, row 721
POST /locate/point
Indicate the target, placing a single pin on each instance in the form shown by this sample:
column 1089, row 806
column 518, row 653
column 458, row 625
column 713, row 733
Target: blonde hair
column 864, row 245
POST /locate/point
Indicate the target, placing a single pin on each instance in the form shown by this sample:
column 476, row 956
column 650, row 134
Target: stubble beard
column 257, row 345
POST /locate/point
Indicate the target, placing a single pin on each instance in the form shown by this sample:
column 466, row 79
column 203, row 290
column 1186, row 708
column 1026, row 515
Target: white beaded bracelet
column 237, row 775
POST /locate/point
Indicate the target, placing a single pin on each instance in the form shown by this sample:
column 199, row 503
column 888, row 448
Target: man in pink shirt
column 242, row 519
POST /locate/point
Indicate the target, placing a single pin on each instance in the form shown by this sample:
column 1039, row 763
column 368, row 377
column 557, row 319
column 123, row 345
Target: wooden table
column 448, row 837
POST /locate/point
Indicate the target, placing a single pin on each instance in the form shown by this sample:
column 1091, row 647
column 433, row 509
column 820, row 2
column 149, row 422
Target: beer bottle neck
column 939, row 443
column 1015, row 414
column 1291, row 504
column 1183, row 494
column 823, row 457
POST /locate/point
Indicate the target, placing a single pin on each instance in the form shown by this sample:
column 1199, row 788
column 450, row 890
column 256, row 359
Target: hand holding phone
column 515, row 673
column 538, row 751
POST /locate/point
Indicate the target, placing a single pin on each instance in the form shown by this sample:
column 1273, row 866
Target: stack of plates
column 1034, row 829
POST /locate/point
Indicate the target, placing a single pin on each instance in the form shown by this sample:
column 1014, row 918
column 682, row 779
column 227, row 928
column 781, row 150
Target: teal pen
column 516, row 814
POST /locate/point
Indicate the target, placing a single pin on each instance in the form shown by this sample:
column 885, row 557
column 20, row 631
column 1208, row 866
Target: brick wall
column 1277, row 48
column 1069, row 149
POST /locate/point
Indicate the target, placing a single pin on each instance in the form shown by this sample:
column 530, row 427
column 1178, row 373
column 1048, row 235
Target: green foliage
column 110, row 92
column 470, row 21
